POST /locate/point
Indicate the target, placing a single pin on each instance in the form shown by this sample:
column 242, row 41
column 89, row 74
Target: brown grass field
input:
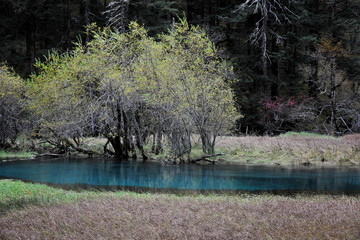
column 156, row 216
column 293, row 149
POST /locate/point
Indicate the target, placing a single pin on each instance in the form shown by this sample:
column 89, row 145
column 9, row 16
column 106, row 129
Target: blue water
column 105, row 172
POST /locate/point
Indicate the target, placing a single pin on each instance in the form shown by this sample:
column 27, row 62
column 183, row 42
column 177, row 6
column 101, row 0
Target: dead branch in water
column 205, row 158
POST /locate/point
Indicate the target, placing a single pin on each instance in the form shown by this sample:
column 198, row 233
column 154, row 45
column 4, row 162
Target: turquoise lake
column 153, row 175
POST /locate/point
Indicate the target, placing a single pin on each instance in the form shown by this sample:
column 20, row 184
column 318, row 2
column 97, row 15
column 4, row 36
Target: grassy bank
column 287, row 149
column 59, row 214
column 292, row 149
column 16, row 154
column 17, row 194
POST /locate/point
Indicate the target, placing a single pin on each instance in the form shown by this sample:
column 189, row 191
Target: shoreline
column 292, row 149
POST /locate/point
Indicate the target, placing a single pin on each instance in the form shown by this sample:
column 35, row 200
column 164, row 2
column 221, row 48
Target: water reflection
column 104, row 172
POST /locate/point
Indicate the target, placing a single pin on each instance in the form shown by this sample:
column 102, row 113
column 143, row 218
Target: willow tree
column 58, row 100
column 188, row 86
column 90, row 92
column 128, row 86
column 200, row 84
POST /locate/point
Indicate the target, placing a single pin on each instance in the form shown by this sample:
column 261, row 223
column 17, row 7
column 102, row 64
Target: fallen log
column 205, row 158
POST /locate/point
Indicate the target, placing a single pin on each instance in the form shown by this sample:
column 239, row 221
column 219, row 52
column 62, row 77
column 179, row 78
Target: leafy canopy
column 127, row 84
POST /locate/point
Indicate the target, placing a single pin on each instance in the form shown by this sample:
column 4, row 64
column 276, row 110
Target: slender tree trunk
column 314, row 69
column 158, row 148
column 314, row 66
column 153, row 142
column 332, row 100
column 213, row 144
column 264, row 57
column 132, row 145
column 126, row 136
column 139, row 141
column 121, row 130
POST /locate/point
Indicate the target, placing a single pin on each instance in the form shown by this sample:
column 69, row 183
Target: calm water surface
column 105, row 172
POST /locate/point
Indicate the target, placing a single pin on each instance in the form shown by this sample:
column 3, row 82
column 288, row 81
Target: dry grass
column 293, row 149
column 170, row 217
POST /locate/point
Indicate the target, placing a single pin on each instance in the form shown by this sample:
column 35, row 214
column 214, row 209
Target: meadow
column 35, row 211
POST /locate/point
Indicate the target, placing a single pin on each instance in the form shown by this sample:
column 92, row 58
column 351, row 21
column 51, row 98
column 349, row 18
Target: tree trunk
column 332, row 100
column 207, row 147
column 312, row 84
column 127, row 134
column 264, row 50
column 116, row 144
column 158, row 148
column 153, row 143
column 139, row 141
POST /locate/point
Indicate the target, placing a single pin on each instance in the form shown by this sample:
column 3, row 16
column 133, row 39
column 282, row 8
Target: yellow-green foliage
column 179, row 77
column 12, row 107
column 56, row 93
column 12, row 87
